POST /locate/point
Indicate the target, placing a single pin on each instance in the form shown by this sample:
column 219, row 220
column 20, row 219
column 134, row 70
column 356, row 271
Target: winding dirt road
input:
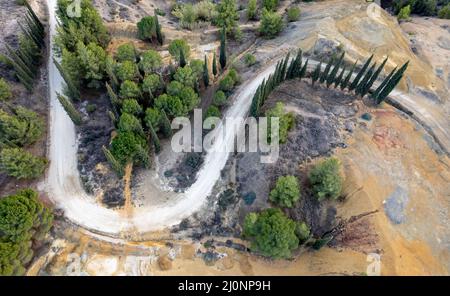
column 63, row 180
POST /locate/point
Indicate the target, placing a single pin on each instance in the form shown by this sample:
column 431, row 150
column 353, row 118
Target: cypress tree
column 360, row 74
column 393, row 82
column 115, row 165
column 316, row 73
column 377, row 92
column 205, row 73
column 298, row 64
column 331, row 78
column 19, row 62
column 113, row 118
column 154, row 138
column 70, row 109
column 214, row 65
column 340, row 77
column 303, row 70
column 223, row 53
column 284, row 68
column 113, row 99
column 166, row 128
column 372, row 79
column 73, row 91
column 360, row 88
column 254, row 109
column 346, row 81
column 325, row 73
column 33, row 15
column 159, row 34
column 182, row 59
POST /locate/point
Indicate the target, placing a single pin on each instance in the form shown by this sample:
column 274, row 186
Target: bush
column 234, row 75
column 213, row 111
column 18, row 163
column 220, row 98
column 131, row 106
column 325, row 180
column 271, row 24
column 444, row 13
column 302, row 231
column 286, row 121
column 271, row 233
column 5, row 91
column 191, row 15
column 227, row 15
column 147, row 28
column 286, row 192
column 249, row 59
column 129, row 90
column 252, row 10
column 177, row 46
column 270, row 4
column 22, row 128
column 126, row 52
column 226, row 84
column 404, row 13
column 293, row 14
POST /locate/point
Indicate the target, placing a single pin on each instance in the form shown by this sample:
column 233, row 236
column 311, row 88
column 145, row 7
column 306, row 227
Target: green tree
column 127, row 146
column 271, row 233
column 131, row 106
column 404, row 13
column 185, row 76
column 73, row 113
column 220, row 98
column 444, row 13
column 226, row 84
column 172, row 105
column 205, row 73
column 126, row 52
column 270, row 5
column 286, row 121
column 302, row 231
column 249, row 59
column 5, row 91
column 129, row 90
column 325, row 179
column 214, row 65
column 286, row 192
column 23, row 127
column 151, row 84
column 158, row 29
column 177, row 46
column 271, row 24
column 126, row 71
column 153, row 117
column 223, row 50
column 147, row 28
column 174, row 88
column 227, row 15
column 18, row 163
column 189, row 98
column 252, row 10
column 129, row 123
column 150, row 61
column 213, row 111
column 91, row 60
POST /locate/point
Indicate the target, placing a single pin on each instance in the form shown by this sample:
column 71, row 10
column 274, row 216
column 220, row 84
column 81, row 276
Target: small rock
column 349, row 126
column 164, row 263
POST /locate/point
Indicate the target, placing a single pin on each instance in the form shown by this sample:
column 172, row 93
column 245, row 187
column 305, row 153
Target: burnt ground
column 95, row 132
column 36, row 100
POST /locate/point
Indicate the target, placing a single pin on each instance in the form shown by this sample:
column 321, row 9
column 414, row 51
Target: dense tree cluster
column 24, row 220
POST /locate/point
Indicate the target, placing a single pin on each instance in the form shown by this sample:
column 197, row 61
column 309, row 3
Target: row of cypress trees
column 284, row 70
column 333, row 74
column 27, row 58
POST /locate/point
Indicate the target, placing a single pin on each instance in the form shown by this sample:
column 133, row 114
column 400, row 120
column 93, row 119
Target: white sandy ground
column 63, row 182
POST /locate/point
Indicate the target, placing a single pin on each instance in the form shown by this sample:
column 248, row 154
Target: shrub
column 404, row 13
column 190, row 15
column 270, row 4
column 178, row 45
column 286, row 121
column 293, row 14
column 227, row 15
column 271, row 24
column 129, row 90
column 126, row 52
column 213, row 111
column 5, row 91
column 444, row 13
column 18, row 163
column 226, row 84
column 252, row 10
column 131, row 106
column 302, row 231
column 249, row 59
column 286, row 192
column 325, row 180
column 234, row 75
column 150, row 61
column 271, row 233
column 220, row 98
column 146, row 28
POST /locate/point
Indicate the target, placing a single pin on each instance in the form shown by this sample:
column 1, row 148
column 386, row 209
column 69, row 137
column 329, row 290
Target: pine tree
column 325, row 73
column 73, row 91
column 223, row 53
column 70, row 109
column 372, row 79
column 378, row 90
column 205, row 73
column 166, row 128
column 159, row 34
column 214, row 65
column 182, row 59
column 113, row 162
column 316, row 73
column 332, row 77
column 154, row 138
column 360, row 74
column 346, row 81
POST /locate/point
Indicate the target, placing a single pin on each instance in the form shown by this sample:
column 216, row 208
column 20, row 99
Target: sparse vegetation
column 271, row 24
column 404, row 13
column 252, row 10
column 249, row 59
column 293, row 14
